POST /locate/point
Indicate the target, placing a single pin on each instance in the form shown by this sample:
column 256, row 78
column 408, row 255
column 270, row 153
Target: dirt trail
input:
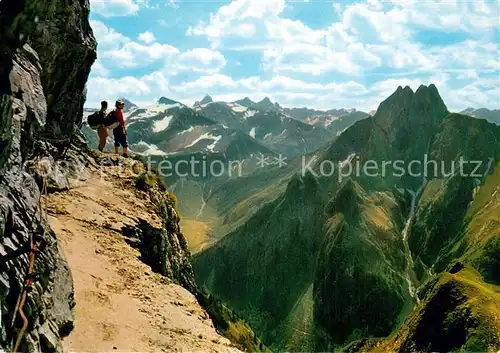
column 121, row 305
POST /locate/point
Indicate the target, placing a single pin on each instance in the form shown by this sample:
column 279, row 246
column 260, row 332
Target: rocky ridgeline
column 46, row 52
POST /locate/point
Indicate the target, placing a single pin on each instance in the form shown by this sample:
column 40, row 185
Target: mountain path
column 121, row 305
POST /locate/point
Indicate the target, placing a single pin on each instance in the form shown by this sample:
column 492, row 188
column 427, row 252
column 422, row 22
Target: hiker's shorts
column 120, row 137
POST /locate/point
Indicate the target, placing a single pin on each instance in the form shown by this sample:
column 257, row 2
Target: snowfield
column 153, row 111
column 162, row 124
column 151, row 150
column 239, row 108
column 249, row 114
column 185, row 131
column 205, row 136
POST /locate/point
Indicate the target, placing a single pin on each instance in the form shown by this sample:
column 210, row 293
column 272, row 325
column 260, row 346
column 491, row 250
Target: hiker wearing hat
column 117, row 123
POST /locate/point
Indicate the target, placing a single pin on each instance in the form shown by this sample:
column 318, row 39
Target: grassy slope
column 460, row 310
column 460, row 313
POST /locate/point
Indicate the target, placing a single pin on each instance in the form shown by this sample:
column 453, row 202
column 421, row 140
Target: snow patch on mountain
column 187, row 130
column 341, row 131
column 212, row 146
column 149, row 149
column 249, row 114
column 162, row 124
column 239, row 108
column 205, row 136
column 160, row 108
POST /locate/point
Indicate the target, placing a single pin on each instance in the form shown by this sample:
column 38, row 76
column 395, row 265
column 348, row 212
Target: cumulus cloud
column 374, row 45
column 147, row 37
column 138, row 55
column 107, row 38
column 114, row 8
column 118, row 51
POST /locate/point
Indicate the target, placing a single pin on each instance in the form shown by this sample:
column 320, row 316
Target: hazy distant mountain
column 129, row 106
column 335, row 120
column 246, row 102
column 207, row 99
column 490, row 115
column 305, row 113
column 165, row 100
column 271, row 127
column 264, row 105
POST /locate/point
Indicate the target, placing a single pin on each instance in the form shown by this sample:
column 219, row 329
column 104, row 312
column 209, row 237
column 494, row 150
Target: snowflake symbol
column 262, row 161
column 280, row 160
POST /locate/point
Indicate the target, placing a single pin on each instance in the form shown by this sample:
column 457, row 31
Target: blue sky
column 317, row 53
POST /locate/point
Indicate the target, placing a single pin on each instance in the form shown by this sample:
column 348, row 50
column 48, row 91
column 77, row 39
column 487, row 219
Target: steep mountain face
column 492, row 116
column 291, row 253
column 45, row 57
column 460, row 305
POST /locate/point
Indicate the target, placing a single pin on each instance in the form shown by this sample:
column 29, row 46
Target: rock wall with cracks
column 46, row 51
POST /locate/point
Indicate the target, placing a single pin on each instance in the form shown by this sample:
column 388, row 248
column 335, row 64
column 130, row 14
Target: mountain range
column 379, row 235
column 315, row 263
column 283, row 246
column 483, row 113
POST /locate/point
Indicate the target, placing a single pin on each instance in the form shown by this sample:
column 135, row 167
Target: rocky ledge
column 41, row 104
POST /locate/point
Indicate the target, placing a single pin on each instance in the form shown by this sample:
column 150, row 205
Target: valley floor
column 121, row 305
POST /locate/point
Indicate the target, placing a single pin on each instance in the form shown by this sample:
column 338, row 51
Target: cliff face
column 46, row 51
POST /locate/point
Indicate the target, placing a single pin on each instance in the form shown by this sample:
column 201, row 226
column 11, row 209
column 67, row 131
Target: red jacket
column 119, row 115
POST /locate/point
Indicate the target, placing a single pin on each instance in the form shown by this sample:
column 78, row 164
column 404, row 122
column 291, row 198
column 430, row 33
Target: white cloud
column 368, row 35
column 173, row 3
column 200, row 60
column 138, row 55
column 99, row 70
column 114, row 8
column 107, row 39
column 291, row 92
column 116, row 50
column 143, row 89
column 371, row 25
column 147, row 37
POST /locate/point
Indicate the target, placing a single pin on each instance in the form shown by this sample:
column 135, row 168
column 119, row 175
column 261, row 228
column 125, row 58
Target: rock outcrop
column 46, row 51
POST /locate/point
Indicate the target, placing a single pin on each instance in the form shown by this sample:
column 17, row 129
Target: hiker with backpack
column 117, row 123
column 97, row 121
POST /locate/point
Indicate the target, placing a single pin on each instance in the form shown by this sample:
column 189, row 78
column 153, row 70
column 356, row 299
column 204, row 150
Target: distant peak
column 408, row 89
column 265, row 104
column 165, row 100
column 206, row 100
column 429, row 94
column 127, row 102
column 468, row 110
column 246, row 102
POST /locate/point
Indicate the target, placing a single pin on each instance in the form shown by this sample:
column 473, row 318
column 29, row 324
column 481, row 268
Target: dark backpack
column 95, row 120
column 112, row 121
